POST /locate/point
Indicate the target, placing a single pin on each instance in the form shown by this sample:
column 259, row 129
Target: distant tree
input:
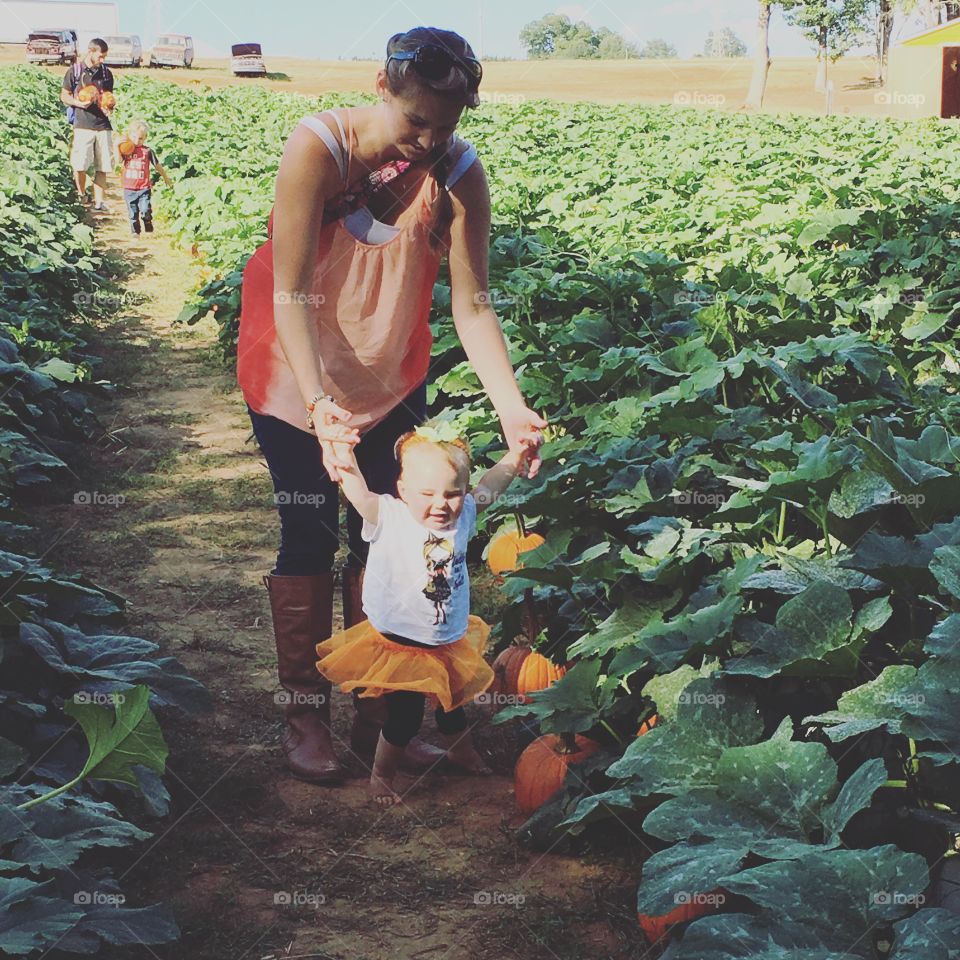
column 614, row 47
column 556, row 35
column 540, row 37
column 657, row 49
column 833, row 25
column 724, row 43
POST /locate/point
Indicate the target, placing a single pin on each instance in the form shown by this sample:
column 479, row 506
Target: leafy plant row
column 743, row 330
column 66, row 791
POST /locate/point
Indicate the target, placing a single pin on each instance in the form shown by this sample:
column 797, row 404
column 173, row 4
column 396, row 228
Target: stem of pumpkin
column 531, row 618
column 783, row 521
column 569, row 742
column 613, row 733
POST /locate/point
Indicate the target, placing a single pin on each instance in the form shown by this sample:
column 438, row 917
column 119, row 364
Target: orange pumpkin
column 655, row 927
column 107, row 100
column 506, row 668
column 537, row 673
column 88, row 94
column 126, row 147
column 506, row 549
column 647, row 725
column 542, row 767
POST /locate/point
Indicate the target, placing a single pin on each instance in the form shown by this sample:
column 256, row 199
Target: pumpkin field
column 727, row 611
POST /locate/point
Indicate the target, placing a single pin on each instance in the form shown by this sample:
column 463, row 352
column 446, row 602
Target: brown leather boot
column 302, row 609
column 371, row 712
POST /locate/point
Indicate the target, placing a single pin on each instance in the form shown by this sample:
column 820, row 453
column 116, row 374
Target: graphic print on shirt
column 441, row 561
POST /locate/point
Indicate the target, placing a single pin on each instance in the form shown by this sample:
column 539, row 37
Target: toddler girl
column 419, row 637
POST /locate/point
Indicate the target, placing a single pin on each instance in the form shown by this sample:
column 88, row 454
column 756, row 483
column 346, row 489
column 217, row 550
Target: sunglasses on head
column 433, row 62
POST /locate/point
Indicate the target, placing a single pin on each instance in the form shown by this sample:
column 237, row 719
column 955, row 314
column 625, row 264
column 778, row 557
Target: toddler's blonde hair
column 455, row 449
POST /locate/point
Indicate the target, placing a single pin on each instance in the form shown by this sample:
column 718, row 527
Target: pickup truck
column 52, row 45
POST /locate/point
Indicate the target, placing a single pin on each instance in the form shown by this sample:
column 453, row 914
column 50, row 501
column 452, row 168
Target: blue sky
column 360, row 29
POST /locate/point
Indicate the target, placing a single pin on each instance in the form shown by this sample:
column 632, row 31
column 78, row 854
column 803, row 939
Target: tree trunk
column 820, row 85
column 929, row 10
column 884, row 29
column 761, row 60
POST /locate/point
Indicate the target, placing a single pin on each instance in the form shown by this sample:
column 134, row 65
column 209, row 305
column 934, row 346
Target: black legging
column 405, row 710
column 309, row 501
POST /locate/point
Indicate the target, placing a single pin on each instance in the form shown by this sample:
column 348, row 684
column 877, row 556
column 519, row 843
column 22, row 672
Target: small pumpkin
column 656, row 927
column 542, row 767
column 107, row 100
column 648, row 725
column 88, row 94
column 505, row 550
column 537, row 673
column 126, row 147
column 506, row 668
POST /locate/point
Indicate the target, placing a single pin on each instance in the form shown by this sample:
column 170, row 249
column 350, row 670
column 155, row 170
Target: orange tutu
column 453, row 674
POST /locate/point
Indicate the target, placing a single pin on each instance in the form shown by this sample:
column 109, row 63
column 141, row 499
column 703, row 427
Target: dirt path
column 254, row 863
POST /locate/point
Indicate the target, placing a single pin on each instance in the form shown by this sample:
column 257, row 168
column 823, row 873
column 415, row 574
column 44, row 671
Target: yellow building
column 923, row 76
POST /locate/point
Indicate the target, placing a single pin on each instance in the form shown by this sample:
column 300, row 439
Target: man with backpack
column 92, row 145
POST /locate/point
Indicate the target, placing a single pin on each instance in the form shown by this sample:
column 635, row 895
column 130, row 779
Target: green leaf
column 766, row 797
column 119, row 742
column 879, row 703
column 29, row 921
column 812, row 636
column 929, row 934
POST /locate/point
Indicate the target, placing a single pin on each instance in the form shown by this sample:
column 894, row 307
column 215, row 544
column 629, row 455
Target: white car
column 172, row 50
column 124, row 51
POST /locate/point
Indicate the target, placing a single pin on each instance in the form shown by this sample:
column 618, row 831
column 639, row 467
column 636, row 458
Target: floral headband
column 440, row 432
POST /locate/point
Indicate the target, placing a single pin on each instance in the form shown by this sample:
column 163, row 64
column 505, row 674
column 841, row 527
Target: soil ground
column 254, row 863
column 697, row 83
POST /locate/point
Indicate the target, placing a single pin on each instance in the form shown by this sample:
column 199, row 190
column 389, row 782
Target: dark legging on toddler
column 309, row 501
column 405, row 710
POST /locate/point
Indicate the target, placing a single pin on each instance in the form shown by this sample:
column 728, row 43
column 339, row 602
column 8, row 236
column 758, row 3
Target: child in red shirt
column 137, row 159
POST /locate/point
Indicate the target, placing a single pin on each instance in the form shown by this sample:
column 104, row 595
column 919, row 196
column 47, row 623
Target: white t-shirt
column 416, row 583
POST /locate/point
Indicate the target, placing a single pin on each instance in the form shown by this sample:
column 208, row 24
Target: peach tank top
column 370, row 302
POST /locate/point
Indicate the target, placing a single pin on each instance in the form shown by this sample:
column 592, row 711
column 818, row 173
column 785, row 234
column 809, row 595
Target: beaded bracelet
column 311, row 406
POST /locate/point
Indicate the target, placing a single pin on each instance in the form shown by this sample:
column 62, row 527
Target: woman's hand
column 521, row 429
column 336, row 438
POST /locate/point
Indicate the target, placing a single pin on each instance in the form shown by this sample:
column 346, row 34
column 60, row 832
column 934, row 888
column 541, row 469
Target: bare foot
column 465, row 756
column 382, row 793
